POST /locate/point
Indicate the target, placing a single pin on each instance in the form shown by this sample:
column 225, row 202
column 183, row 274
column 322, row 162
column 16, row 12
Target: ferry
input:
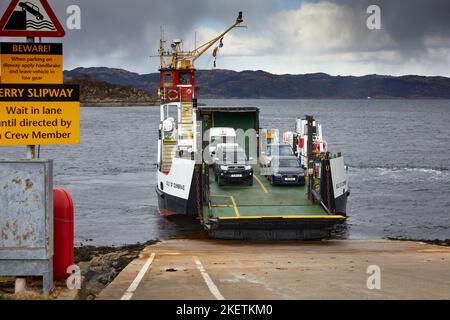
column 188, row 183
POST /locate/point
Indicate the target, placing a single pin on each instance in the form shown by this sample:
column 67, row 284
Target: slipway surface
column 213, row 269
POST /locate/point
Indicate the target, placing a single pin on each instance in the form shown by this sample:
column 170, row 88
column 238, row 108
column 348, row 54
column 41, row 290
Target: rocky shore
column 115, row 103
column 100, row 93
column 445, row 243
column 100, row 265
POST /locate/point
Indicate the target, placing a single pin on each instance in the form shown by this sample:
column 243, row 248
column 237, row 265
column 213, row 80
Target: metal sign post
column 21, row 283
column 27, row 198
column 31, row 150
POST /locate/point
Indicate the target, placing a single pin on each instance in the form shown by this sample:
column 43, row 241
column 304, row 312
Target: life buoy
column 301, row 143
column 317, row 146
column 188, row 91
column 172, row 95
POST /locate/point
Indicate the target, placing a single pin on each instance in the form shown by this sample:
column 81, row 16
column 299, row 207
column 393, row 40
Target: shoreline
column 437, row 242
column 124, row 104
column 118, row 104
column 101, row 265
column 152, row 104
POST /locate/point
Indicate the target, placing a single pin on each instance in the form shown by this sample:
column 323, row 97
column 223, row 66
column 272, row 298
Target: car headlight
column 224, row 168
column 248, row 167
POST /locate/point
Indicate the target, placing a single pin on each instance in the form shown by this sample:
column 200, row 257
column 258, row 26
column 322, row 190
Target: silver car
column 280, row 150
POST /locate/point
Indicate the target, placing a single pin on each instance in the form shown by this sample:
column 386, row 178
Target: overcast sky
column 283, row 36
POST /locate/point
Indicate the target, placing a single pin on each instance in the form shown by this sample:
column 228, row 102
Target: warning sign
column 29, row 63
column 39, row 114
column 31, row 18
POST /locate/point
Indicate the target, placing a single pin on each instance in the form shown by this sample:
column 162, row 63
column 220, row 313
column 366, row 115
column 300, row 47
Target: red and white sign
column 30, row 18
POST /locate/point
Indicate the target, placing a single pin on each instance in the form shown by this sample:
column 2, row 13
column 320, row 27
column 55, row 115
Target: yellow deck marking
column 234, row 206
column 220, row 205
column 285, row 217
column 236, row 210
column 261, row 184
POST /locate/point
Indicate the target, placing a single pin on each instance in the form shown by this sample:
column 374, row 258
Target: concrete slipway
column 211, row 269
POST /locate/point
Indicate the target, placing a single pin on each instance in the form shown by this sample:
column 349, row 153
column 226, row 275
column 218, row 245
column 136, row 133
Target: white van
column 220, row 135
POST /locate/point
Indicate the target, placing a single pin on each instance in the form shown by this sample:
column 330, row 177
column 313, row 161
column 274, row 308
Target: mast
column 198, row 52
column 177, row 58
column 161, row 47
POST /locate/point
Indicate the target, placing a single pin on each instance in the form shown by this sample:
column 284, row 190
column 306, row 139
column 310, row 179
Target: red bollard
column 63, row 233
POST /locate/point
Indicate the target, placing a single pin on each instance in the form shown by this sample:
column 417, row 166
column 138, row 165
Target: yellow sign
column 31, row 63
column 26, row 119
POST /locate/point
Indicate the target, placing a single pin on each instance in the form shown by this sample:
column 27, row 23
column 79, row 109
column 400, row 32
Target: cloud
column 131, row 28
column 325, row 27
column 411, row 23
column 415, row 37
column 283, row 36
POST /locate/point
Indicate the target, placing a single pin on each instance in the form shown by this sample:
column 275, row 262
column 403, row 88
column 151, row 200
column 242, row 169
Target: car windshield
column 288, row 163
column 280, row 150
column 234, row 156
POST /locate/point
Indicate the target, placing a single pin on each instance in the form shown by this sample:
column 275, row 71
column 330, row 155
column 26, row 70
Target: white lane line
column 133, row 286
column 211, row 286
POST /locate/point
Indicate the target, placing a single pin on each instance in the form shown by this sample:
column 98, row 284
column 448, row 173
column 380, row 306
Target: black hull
column 341, row 204
column 170, row 205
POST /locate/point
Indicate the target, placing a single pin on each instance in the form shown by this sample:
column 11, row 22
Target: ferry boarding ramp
column 264, row 212
column 260, row 211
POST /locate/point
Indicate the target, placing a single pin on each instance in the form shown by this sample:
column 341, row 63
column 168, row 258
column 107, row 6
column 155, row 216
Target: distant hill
column 98, row 93
column 260, row 84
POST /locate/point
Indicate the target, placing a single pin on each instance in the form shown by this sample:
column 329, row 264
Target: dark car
column 31, row 8
column 231, row 165
column 286, row 170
